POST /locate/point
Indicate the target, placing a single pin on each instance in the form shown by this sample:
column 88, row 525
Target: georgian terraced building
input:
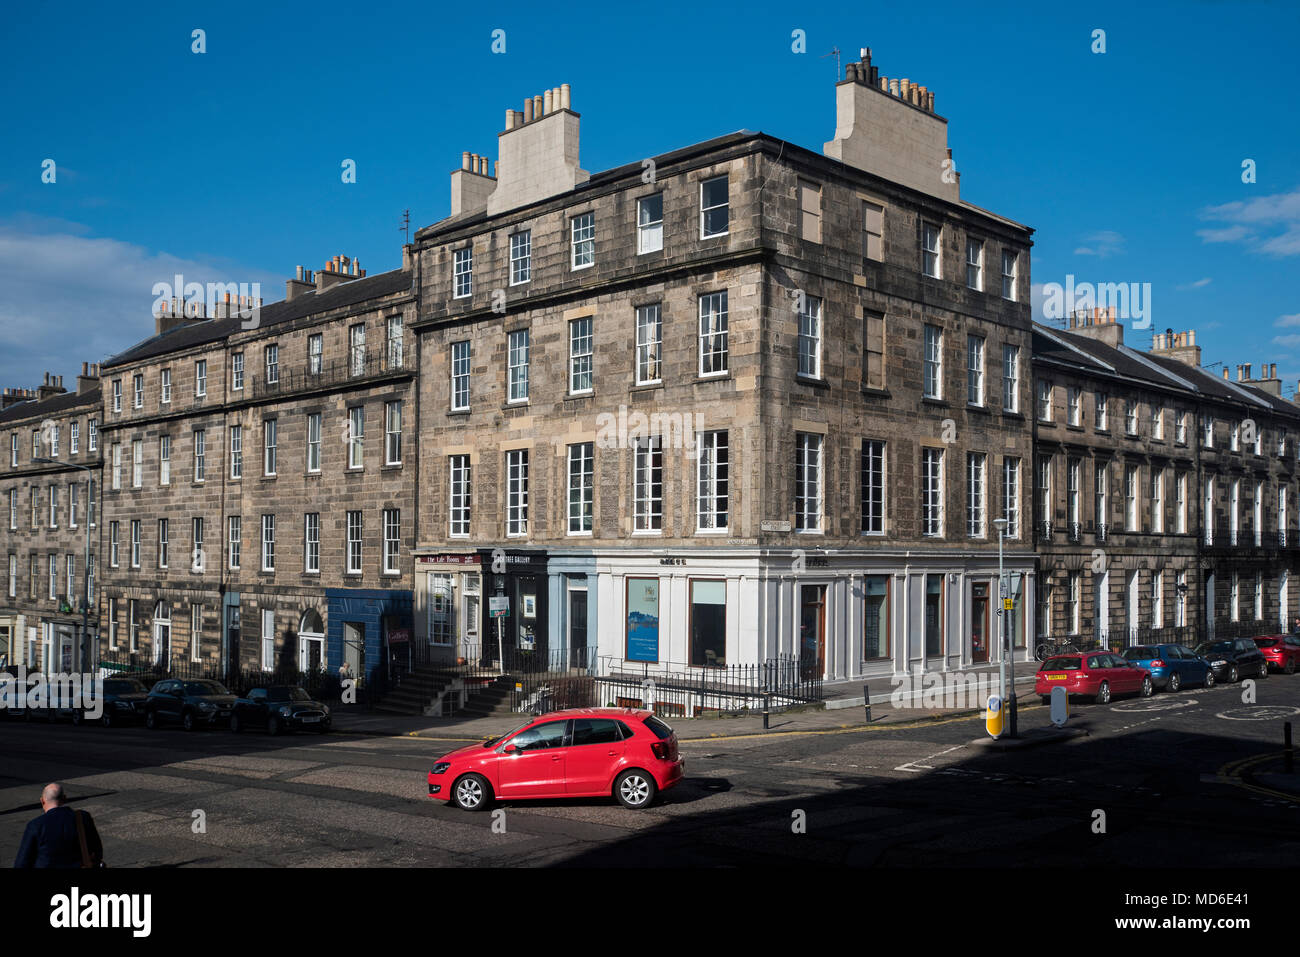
column 52, row 454
column 737, row 400
column 1165, row 496
column 259, row 480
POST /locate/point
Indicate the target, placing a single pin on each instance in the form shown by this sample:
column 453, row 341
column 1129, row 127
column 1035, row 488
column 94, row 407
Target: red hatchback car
column 1098, row 674
column 584, row 752
column 1280, row 651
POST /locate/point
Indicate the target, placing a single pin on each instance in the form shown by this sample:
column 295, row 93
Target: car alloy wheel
column 1175, row 682
column 1263, row 668
column 1103, row 694
column 1209, row 678
column 471, row 793
column 273, row 725
column 151, row 720
column 236, row 725
column 107, row 719
column 1147, row 687
column 1290, row 666
column 635, row 789
column 1232, row 674
column 187, row 721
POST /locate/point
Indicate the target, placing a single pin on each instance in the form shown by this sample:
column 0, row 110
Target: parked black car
column 280, row 708
column 124, row 700
column 194, row 703
column 1234, row 658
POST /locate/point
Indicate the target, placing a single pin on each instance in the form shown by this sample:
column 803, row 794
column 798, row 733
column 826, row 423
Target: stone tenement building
column 259, row 480
column 49, row 508
column 763, row 401
column 740, row 400
column 1164, row 495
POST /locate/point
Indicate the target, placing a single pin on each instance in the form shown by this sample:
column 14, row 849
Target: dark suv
column 195, row 703
column 280, row 708
column 1234, row 658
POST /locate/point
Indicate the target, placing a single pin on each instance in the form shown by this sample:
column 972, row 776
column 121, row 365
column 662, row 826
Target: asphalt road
column 1186, row 780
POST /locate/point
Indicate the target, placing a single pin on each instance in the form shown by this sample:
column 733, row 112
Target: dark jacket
column 51, row 840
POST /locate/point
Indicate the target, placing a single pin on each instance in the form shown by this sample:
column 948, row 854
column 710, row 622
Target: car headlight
column 122, row 705
column 1218, row 662
column 441, row 767
column 325, row 708
column 286, row 710
column 206, row 705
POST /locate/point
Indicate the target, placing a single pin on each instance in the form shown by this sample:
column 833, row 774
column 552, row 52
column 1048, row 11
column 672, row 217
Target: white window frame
column 714, row 359
column 581, row 355
column 268, row 542
column 932, row 363
column 461, row 358
column 931, row 250
column 393, row 432
column 649, row 344
column 975, row 370
column 810, row 338
column 521, row 257
column 705, row 210
column 976, row 262
column 932, row 492
column 462, row 272
column 582, row 241
column 517, row 465
column 311, row 543
column 647, row 486
column 236, row 452
column 581, row 488
column 713, row 481
column 649, row 232
column 976, row 495
column 392, row 548
column 459, row 495
column 517, row 355
column 354, row 555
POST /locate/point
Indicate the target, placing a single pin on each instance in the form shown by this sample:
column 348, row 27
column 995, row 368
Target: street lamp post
column 1001, row 524
column 84, row 651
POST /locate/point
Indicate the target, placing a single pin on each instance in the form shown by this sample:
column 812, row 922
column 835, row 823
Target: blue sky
column 225, row 166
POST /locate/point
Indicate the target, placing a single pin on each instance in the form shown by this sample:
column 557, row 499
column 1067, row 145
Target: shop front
column 368, row 629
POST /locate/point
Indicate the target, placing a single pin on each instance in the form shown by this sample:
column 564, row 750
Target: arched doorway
column 162, row 633
column 311, row 642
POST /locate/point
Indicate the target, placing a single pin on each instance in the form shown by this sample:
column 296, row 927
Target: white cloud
column 1266, row 224
column 1194, row 285
column 1282, row 322
column 67, row 297
column 1104, row 243
column 1288, row 341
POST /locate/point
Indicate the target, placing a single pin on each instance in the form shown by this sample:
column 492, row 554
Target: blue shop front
column 368, row 629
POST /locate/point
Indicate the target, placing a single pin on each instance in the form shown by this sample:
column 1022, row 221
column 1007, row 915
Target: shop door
column 354, row 648
column 979, row 623
column 812, row 631
column 578, row 628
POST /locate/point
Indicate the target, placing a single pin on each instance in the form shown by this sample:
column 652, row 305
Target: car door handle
column 613, row 754
column 556, row 757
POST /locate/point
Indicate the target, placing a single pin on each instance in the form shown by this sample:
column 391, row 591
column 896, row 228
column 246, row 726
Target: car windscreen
column 661, row 729
column 1061, row 664
column 1141, row 653
column 493, row 740
column 1214, row 647
column 122, row 686
column 287, row 694
column 204, row 687
column 1266, row 642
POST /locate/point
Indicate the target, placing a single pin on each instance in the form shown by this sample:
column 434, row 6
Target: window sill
column 813, row 382
column 463, row 412
column 982, row 409
column 876, row 393
column 646, row 386
column 931, row 400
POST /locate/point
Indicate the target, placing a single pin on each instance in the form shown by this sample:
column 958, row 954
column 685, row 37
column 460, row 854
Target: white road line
column 917, row 767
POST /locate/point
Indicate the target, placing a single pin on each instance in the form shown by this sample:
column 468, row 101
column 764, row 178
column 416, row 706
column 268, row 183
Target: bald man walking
column 60, row 837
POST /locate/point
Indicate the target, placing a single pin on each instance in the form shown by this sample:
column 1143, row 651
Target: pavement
column 841, row 710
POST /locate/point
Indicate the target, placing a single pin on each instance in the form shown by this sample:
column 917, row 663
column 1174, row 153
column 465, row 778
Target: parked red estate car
column 1280, row 651
column 1098, row 674
column 584, row 752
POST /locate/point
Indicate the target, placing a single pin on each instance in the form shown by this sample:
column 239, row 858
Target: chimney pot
column 528, row 110
column 546, row 103
column 537, row 107
column 510, row 120
column 565, row 93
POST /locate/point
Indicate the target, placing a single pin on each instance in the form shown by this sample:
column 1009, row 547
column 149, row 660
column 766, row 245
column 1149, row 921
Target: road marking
column 1155, row 704
column 1231, row 774
column 1261, row 712
column 917, row 767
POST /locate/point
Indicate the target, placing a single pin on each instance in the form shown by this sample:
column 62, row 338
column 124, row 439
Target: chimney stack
column 51, row 386
column 88, row 379
column 532, row 164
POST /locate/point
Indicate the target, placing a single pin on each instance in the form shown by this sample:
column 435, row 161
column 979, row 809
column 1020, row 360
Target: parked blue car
column 1172, row 665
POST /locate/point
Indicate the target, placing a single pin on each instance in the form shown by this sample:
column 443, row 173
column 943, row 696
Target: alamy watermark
column 1130, row 300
